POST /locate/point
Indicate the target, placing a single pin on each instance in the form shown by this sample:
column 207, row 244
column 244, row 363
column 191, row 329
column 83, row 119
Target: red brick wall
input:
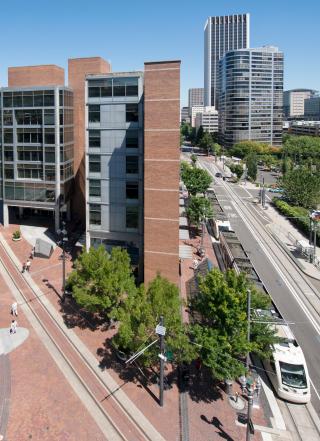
column 161, row 170
column 78, row 68
column 43, row 75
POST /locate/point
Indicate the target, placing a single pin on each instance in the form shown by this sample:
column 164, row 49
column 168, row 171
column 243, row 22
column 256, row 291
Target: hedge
column 298, row 216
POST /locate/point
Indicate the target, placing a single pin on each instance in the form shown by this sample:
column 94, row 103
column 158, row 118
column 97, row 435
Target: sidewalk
column 209, row 413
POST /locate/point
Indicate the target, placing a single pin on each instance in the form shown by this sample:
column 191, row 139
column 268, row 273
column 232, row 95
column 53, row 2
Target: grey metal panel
column 105, row 221
column 113, row 116
column 113, row 141
column 117, row 218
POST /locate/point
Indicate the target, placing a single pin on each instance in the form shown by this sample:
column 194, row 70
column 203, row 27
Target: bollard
column 229, row 384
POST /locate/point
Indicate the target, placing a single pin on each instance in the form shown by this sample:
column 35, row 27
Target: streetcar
column 287, row 367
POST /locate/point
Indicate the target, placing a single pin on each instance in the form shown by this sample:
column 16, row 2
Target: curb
column 285, row 248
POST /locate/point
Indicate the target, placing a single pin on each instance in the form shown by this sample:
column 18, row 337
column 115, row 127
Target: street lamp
column 64, row 240
column 252, row 386
column 314, row 218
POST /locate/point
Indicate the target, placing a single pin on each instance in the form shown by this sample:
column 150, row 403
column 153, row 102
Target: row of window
column 132, row 164
column 132, row 216
column 132, row 139
column 37, row 98
column 132, row 189
column 36, row 154
column 132, row 113
column 35, row 136
column 110, row 87
column 26, row 171
column 37, row 117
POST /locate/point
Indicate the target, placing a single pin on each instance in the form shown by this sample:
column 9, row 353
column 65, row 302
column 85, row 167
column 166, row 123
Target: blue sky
column 128, row 33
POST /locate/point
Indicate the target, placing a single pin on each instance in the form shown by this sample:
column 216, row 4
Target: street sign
column 160, row 330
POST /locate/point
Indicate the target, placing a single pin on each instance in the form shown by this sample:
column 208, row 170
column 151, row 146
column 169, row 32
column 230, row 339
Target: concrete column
column 5, row 215
column 20, row 212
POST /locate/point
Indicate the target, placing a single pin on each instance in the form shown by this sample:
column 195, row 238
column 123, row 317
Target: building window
column 132, row 217
column 50, row 173
column 50, row 155
column 48, row 118
column 119, row 87
column 132, row 87
column 94, row 138
column 94, row 113
column 8, row 173
column 94, row 163
column 132, row 190
column 7, row 117
column 94, row 214
column 132, row 164
column 132, row 139
column 106, row 89
column 94, row 187
column 94, row 92
column 49, row 136
column 8, row 136
column 132, row 114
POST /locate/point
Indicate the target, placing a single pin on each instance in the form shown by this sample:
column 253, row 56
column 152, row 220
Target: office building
column 37, row 143
column 103, row 152
column 251, row 96
column 193, row 113
column 221, row 34
column 294, row 102
column 208, row 119
column 312, row 108
column 184, row 115
column 195, row 97
column 306, row 128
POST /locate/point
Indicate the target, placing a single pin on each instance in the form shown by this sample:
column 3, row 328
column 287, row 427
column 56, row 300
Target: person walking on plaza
column 28, row 264
column 23, row 267
column 14, row 309
column 13, row 327
column 32, row 252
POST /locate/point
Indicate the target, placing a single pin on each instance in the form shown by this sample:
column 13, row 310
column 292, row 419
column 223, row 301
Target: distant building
column 221, row 34
column 208, row 119
column 193, row 113
column 184, row 114
column 312, row 108
column 251, row 96
column 195, row 97
column 309, row 128
column 294, row 102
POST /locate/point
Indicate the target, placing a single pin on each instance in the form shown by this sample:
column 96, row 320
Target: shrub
column 16, row 234
column 298, row 216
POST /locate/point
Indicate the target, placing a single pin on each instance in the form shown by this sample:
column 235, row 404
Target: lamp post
column 64, row 240
column 248, row 324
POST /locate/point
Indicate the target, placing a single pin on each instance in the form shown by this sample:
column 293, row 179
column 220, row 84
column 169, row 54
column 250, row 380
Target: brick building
column 103, row 151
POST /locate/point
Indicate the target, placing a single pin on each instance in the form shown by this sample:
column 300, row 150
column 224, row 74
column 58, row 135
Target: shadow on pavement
column 217, row 423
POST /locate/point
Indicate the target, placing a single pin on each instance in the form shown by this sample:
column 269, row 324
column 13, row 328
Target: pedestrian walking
column 28, row 264
column 23, row 267
column 13, row 327
column 32, row 252
column 14, row 309
column 195, row 264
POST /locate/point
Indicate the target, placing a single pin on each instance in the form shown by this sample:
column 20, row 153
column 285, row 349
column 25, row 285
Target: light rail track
column 93, row 385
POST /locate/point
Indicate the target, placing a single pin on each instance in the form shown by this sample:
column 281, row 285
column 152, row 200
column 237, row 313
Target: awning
column 185, row 252
column 184, row 234
column 183, row 221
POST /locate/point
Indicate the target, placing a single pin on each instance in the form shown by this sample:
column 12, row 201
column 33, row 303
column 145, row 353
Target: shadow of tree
column 75, row 316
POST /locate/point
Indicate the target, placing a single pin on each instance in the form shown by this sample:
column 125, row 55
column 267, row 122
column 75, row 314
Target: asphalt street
column 276, row 284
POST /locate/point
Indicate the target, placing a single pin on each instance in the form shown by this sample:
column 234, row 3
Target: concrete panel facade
column 78, row 68
column 36, row 76
column 161, row 170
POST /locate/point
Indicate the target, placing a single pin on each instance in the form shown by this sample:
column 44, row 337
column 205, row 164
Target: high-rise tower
column 221, row 34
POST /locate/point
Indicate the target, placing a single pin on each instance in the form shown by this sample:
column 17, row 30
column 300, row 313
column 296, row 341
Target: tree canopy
column 139, row 315
column 222, row 330
column 252, row 167
column 101, row 280
column 302, row 187
column 195, row 179
column 199, row 209
column 237, row 169
column 243, row 148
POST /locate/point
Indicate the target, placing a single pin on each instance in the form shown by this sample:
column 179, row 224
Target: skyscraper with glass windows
column 221, row 34
column 251, row 96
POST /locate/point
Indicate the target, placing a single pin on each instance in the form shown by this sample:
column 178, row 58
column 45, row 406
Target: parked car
column 276, row 190
column 218, row 175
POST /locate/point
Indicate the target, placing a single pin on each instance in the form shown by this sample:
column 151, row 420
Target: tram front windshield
column 293, row 375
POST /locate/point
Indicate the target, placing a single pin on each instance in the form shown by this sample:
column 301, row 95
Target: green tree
column 195, row 179
column 302, row 187
column 206, row 142
column 140, row 313
column 237, row 169
column 194, row 159
column 199, row 209
column 199, row 136
column 252, row 168
column 222, row 330
column 100, row 281
column 243, row 148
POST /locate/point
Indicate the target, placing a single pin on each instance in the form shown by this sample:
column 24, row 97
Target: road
column 282, row 278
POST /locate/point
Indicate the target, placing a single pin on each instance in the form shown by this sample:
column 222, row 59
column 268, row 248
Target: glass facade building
column 114, row 161
column 251, row 96
column 221, row 34
column 36, row 148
